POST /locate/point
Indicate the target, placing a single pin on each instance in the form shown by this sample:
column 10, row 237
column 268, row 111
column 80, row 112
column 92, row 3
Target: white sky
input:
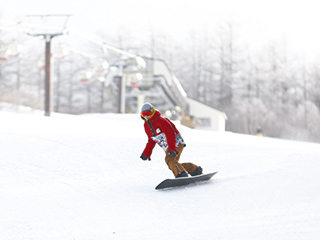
column 259, row 20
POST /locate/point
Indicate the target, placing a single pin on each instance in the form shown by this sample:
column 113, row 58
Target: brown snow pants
column 175, row 166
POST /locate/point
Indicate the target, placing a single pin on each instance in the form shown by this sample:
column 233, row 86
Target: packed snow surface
column 70, row 177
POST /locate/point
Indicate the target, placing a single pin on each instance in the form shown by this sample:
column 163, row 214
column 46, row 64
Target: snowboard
column 177, row 182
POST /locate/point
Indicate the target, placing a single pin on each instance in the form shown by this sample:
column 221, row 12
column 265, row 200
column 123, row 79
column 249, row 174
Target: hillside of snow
column 70, row 177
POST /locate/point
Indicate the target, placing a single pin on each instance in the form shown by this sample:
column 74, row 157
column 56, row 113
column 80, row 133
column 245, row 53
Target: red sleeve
column 169, row 130
column 174, row 127
column 150, row 145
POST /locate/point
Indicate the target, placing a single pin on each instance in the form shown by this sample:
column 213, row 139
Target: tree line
column 273, row 88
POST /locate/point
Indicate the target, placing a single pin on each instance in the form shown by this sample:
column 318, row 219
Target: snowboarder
column 259, row 132
column 163, row 132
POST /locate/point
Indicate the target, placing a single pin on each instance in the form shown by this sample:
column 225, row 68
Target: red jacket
column 162, row 131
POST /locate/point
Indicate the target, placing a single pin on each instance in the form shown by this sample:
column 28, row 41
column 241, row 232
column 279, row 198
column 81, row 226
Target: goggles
column 147, row 112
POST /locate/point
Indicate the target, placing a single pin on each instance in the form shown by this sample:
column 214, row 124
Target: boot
column 196, row 172
column 182, row 174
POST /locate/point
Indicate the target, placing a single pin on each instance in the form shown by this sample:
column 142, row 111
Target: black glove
column 144, row 157
column 173, row 153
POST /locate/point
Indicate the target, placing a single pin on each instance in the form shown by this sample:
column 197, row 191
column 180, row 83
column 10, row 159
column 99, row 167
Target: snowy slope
column 81, row 178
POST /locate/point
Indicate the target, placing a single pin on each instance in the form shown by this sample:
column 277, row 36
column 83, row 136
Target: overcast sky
column 259, row 21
